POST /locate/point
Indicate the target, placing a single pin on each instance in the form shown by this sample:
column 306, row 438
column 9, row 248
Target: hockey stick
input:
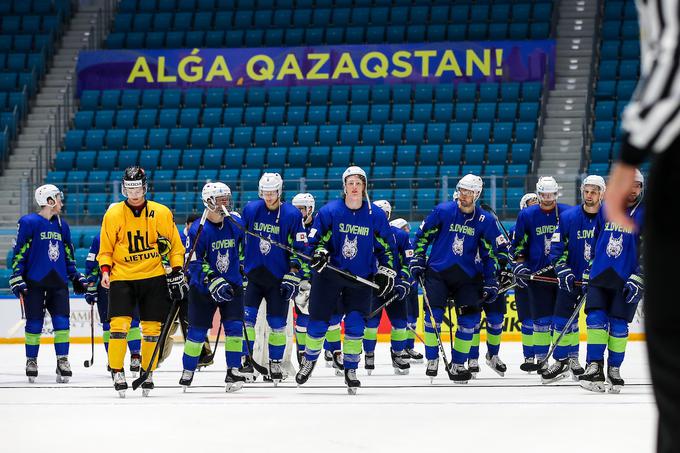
column 174, row 309
column 415, row 333
column 449, row 302
column 297, row 252
column 211, row 357
column 528, row 277
column 436, row 329
column 486, row 207
column 259, row 368
column 22, row 322
column 89, row 363
column 377, row 310
column 573, row 316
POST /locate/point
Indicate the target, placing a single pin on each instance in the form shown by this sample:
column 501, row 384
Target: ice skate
column 338, row 363
column 31, row 369
column 541, row 367
column 275, row 371
column 459, row 374
column 401, row 366
column 119, row 382
column 64, row 372
column 495, row 363
column 234, row 380
column 135, row 364
column 328, row 358
column 352, row 382
column 247, row 370
column 614, row 379
column 576, row 368
column 413, row 355
column 473, row 367
column 147, row 385
column 556, row 372
column 305, row 371
column 529, row 365
column 432, row 368
column 593, row 378
column 369, row 362
column 186, row 379
column 300, row 353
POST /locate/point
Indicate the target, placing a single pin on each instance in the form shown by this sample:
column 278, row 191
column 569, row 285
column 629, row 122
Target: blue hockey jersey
column 455, row 238
column 282, row 225
column 92, row 270
column 533, row 234
column 404, row 252
column 355, row 239
column 572, row 243
column 43, row 252
column 217, row 252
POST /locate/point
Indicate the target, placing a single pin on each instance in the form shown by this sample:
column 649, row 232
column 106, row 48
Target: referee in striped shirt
column 651, row 126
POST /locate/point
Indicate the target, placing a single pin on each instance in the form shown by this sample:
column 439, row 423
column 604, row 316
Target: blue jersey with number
column 573, row 241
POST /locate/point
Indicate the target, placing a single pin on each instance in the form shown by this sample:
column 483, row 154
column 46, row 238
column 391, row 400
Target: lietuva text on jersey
column 217, row 252
column 283, row 225
column 455, row 237
column 533, row 234
column 129, row 241
column 40, row 244
column 354, row 238
column 573, row 241
column 616, row 249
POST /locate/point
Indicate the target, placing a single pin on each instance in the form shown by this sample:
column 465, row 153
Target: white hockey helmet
column 270, row 182
column 399, row 223
column 594, row 180
column 304, row 200
column 351, row 171
column 46, row 192
column 547, row 185
column 526, row 198
column 211, row 192
column 471, row 182
column 639, row 177
column 385, row 206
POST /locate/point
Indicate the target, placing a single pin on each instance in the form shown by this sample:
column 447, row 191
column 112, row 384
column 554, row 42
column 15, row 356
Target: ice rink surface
column 389, row 414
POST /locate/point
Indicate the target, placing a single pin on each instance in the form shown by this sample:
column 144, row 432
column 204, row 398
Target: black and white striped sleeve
column 651, row 121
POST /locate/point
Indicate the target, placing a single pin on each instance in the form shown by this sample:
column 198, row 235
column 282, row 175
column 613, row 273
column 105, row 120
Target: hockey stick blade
column 436, row 330
column 259, row 368
column 89, row 363
column 377, row 310
column 573, row 316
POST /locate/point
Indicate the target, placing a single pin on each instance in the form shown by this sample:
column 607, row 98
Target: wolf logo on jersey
column 222, row 262
column 547, row 240
column 457, row 246
column 614, row 246
column 53, row 251
column 587, row 253
column 350, row 248
column 265, row 247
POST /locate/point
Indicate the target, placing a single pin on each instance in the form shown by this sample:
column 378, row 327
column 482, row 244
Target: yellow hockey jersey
column 129, row 242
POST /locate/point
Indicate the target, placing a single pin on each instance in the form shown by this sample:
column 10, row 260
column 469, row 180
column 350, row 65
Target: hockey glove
column 402, row 288
column 91, row 295
column 302, row 298
column 385, row 280
column 634, row 289
column 319, row 260
column 506, row 278
column 290, row 285
column 221, row 291
column 177, row 285
column 79, row 283
column 417, row 267
column 490, row 290
column 565, row 278
column 522, row 273
column 18, row 286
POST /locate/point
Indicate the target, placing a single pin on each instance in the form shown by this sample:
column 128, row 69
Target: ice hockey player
column 531, row 249
column 96, row 293
column 215, row 284
column 355, row 237
column 456, row 230
column 42, row 266
column 396, row 311
column 571, row 252
column 305, row 203
column 412, row 307
column 522, row 303
column 132, row 270
column 273, row 273
column 615, row 287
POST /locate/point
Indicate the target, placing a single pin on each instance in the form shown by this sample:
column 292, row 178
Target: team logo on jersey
column 457, row 246
column 547, row 239
column 614, row 246
column 587, row 252
column 53, row 251
column 222, row 262
column 265, row 246
column 350, row 247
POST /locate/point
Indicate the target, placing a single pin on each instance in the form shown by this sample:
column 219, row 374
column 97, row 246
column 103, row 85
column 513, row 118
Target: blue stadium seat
column 403, row 176
column 83, row 119
column 328, row 135
column 178, row 138
column 464, row 112
column 510, row 91
column 528, row 111
column 521, row 153
column 116, row 138
column 392, row 134
column 337, row 114
column 531, row 91
column 381, row 177
column 384, row 155
column 285, row 135
column 315, row 178
column 214, row 97
column 170, row 158
column 149, row 159
column 415, row 133
column 429, row 155
column 98, row 181
column 255, row 157
column 362, row 156
column 307, row 135
column 452, row 154
column 340, row 156
column 167, row 118
column 600, row 152
column 126, row 119
column 525, row 132
column 85, row 160
column 63, row 161
column 276, row 157
column 497, row 153
column 401, row 113
column 221, row 137
column 297, row 156
column 243, row 136
column 486, row 112
column 443, row 112
column 406, row 153
column 213, row 158
column 317, row 114
column 380, row 113
column 94, row 139
column 189, row 117
column 458, row 132
column 370, row 134
column 422, row 113
column 233, row 158
column 264, row 136
column 127, row 158
column 191, row 158
column 474, row 154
